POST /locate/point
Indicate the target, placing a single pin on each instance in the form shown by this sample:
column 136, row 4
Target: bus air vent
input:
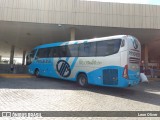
column 110, row 76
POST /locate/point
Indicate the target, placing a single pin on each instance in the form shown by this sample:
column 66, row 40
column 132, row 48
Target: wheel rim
column 82, row 81
column 37, row 73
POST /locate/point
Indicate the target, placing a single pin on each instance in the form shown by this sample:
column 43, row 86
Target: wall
column 79, row 12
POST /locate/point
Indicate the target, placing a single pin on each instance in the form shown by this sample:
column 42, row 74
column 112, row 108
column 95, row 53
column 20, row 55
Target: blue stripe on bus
column 67, row 59
column 74, row 62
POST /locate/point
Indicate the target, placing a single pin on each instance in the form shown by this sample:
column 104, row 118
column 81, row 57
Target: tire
column 82, row 80
column 37, row 73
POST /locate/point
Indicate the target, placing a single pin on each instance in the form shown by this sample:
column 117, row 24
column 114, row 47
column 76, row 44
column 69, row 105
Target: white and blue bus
column 108, row 61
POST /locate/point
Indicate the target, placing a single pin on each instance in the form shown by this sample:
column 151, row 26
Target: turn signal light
column 125, row 72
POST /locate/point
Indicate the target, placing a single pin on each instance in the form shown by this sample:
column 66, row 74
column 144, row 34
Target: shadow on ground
column 144, row 92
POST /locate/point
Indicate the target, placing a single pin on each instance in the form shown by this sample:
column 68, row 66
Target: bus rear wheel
column 82, row 80
column 37, row 73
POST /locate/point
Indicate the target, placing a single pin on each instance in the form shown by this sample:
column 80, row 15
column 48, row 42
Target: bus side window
column 72, row 50
column 92, row 49
column 101, row 48
column 53, row 52
column 62, row 51
column 84, row 49
column 108, row 47
column 38, row 53
column 117, row 43
column 43, row 53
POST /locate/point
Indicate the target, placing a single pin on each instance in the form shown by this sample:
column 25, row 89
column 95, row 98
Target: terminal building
column 25, row 24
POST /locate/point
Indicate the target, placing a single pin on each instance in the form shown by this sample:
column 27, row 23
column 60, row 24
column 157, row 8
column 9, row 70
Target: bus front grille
column 110, row 76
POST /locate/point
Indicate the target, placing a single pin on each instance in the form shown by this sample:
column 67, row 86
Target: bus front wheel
column 37, row 73
column 82, row 80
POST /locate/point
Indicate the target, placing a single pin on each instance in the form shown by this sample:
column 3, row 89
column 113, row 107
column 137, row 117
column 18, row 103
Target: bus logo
column 135, row 44
column 63, row 68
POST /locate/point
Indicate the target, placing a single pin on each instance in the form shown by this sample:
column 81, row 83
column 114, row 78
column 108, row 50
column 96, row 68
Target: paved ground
column 46, row 94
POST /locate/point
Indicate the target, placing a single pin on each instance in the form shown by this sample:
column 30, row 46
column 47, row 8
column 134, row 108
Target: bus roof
column 80, row 41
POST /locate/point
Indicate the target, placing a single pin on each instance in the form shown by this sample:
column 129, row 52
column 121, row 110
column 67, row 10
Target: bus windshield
column 30, row 57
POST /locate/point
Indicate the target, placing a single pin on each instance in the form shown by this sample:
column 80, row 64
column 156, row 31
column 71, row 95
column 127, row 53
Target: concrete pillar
column 12, row 54
column 146, row 54
column 73, row 34
column 23, row 59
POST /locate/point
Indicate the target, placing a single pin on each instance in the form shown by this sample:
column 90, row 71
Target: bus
column 112, row 61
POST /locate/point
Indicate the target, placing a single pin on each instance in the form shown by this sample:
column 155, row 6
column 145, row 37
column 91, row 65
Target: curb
column 16, row 76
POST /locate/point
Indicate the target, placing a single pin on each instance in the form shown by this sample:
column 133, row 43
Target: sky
column 153, row 2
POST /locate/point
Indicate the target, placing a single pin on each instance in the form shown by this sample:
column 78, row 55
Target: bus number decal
column 135, row 54
column 63, row 68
